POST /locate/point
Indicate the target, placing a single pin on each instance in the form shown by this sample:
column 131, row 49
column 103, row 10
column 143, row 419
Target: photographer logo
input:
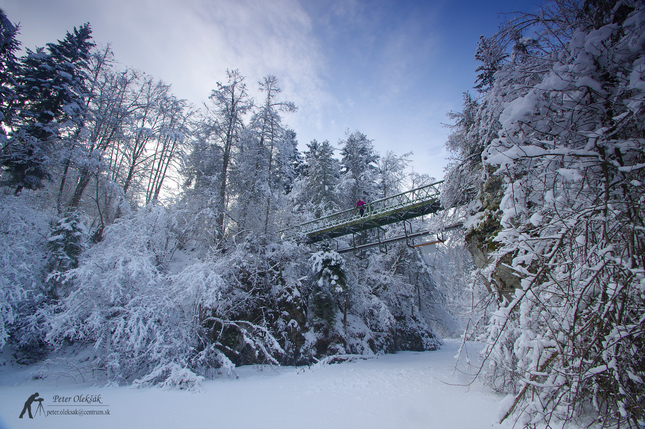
column 76, row 405
column 33, row 398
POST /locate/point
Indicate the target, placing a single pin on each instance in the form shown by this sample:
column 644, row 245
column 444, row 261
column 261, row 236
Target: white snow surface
column 403, row 390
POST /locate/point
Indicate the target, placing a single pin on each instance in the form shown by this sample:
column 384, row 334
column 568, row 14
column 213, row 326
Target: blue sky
column 390, row 69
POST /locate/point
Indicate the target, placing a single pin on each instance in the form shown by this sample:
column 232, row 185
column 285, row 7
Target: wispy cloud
column 193, row 42
column 388, row 68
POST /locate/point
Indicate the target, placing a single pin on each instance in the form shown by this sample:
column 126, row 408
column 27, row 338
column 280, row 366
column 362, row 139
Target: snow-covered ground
column 404, row 390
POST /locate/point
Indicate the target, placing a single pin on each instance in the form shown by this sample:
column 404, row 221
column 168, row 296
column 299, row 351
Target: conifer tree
column 65, row 244
column 323, row 173
column 51, row 87
column 266, row 153
column 329, row 285
column 290, row 162
column 492, row 56
column 359, row 168
column 8, row 71
column 463, row 178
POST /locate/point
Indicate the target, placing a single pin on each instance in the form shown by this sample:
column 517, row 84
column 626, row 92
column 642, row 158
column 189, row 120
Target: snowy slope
column 405, row 390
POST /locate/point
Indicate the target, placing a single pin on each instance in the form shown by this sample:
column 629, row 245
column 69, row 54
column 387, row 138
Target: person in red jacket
column 360, row 205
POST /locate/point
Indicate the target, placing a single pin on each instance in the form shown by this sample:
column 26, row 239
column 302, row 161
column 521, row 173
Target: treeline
column 550, row 156
column 168, row 286
column 104, row 139
column 94, row 136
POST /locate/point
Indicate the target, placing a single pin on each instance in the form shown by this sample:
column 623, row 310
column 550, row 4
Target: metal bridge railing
column 404, row 200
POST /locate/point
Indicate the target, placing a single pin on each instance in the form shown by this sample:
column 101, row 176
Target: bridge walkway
column 396, row 208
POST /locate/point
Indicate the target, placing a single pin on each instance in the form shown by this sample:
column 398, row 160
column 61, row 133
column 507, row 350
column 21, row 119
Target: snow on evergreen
column 558, row 221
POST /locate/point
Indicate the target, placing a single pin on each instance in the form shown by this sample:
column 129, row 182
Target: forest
column 144, row 233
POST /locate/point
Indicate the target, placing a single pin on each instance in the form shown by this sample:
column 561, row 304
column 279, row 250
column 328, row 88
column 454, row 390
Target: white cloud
column 195, row 41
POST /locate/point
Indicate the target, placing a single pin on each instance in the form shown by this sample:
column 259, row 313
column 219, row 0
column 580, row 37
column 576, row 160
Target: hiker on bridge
column 360, row 205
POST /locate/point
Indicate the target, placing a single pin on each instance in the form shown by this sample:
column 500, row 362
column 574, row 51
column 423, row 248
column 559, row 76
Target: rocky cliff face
column 480, row 240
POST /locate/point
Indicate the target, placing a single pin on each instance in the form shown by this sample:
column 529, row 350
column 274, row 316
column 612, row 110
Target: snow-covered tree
column 359, row 169
column 51, row 88
column 108, row 111
column 464, row 173
column 251, row 184
column 65, row 245
column 261, row 318
column 230, row 104
column 200, row 205
column 393, row 292
column 290, row 161
column 273, row 138
column 168, row 146
column 329, row 286
column 392, row 173
column 323, row 173
column 23, row 251
column 265, row 159
column 559, row 227
column 121, row 304
column 8, row 72
column 492, row 55
column 142, row 131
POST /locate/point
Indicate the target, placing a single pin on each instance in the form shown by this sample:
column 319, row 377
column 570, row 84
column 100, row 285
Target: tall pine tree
column 51, row 87
column 359, row 168
column 322, row 178
column 8, row 70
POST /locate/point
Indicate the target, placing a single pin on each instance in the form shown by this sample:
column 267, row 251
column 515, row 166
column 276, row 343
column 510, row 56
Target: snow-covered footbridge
column 396, row 208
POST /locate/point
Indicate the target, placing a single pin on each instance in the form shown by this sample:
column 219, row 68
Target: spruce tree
column 322, row 178
column 8, row 70
column 492, row 55
column 65, row 244
column 359, row 168
column 329, row 286
column 51, row 86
